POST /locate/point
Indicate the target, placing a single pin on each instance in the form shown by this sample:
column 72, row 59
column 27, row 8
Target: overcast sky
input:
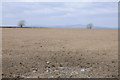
column 103, row 14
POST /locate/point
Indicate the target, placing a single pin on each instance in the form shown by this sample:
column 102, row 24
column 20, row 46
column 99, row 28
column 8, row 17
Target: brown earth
column 63, row 53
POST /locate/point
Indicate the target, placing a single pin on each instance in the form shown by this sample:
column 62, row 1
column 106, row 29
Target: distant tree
column 89, row 26
column 21, row 23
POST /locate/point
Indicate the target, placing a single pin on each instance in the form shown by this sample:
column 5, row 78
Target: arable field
column 59, row 53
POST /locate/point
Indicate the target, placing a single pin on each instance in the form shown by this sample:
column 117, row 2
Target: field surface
column 59, row 53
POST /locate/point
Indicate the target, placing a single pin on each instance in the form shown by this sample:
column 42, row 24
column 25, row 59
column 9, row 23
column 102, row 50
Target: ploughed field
column 59, row 53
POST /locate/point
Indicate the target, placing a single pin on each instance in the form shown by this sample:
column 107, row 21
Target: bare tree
column 21, row 23
column 89, row 26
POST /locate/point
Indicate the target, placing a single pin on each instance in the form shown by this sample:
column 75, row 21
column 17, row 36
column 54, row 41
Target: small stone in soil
column 82, row 70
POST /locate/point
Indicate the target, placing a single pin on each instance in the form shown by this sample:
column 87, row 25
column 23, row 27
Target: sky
column 104, row 14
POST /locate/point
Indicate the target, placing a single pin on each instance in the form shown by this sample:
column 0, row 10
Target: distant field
column 65, row 53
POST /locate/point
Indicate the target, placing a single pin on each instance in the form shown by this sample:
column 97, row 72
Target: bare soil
column 59, row 53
